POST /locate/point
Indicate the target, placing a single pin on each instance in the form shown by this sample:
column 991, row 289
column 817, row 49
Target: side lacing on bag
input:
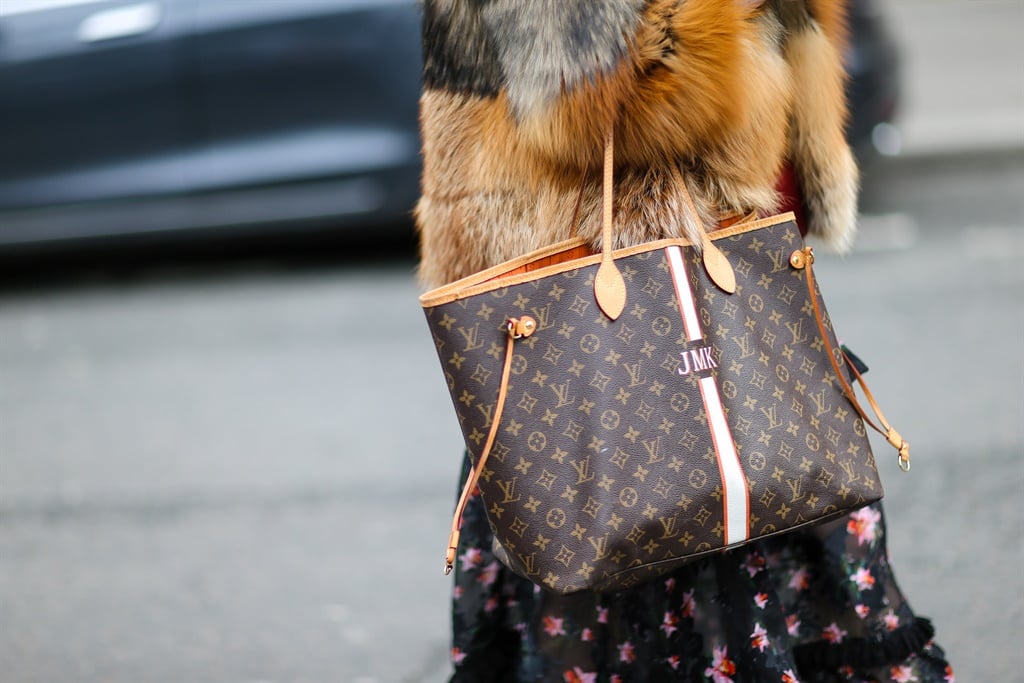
column 515, row 328
column 802, row 259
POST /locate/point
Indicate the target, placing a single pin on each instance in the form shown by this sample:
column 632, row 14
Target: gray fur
column 564, row 42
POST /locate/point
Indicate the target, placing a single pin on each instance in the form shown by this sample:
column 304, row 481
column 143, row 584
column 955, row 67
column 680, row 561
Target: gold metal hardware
column 518, row 328
column 801, row 258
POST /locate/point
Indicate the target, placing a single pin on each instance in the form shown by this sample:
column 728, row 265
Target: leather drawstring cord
column 516, row 328
column 802, row 260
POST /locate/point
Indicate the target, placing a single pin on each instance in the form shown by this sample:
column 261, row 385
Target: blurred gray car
column 126, row 117
column 188, row 118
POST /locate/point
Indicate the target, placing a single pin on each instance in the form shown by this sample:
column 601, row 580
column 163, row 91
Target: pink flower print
column 950, row 678
column 793, row 625
column 789, row 677
column 892, row 622
column 759, row 638
column 602, row 615
column 902, row 674
column 864, row 524
column 587, row 635
column 722, row 668
column 626, row 653
column 577, row 675
column 616, row 678
column 553, row 627
column 862, row 611
column 674, row 662
column 489, row 574
column 670, row 585
column 801, row 580
column 491, row 604
column 862, row 577
column 470, row 559
column 833, row 634
column 754, row 564
column 688, row 604
column 668, row 624
column 457, row 592
column 761, row 599
column 457, row 656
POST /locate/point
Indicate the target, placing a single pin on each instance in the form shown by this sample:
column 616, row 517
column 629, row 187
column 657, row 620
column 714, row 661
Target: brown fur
column 718, row 88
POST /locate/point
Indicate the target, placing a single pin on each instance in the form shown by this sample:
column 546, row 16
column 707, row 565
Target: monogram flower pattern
column 696, row 420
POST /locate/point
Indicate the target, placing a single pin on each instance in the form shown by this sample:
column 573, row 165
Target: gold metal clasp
column 801, row 258
column 519, row 328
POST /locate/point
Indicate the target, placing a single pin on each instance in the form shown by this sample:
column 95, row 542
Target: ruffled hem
column 865, row 653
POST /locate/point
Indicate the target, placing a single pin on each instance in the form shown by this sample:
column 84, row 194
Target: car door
column 314, row 94
column 91, row 106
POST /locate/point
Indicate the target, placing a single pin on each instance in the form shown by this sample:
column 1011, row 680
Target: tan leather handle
column 609, row 287
column 802, row 259
column 516, row 328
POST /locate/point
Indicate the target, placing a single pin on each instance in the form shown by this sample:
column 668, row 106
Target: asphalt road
column 244, row 474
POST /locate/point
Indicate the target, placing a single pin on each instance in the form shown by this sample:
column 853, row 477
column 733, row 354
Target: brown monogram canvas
column 695, row 421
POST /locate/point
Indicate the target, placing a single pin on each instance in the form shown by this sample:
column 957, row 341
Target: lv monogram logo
column 779, row 260
column 562, row 394
column 771, row 412
column 583, row 471
column 488, row 411
column 635, row 379
column 653, row 448
column 530, row 564
column 600, row 546
column 851, row 474
column 543, row 316
column 819, row 403
column 796, row 488
column 669, row 524
column 508, row 489
column 471, row 337
column 796, row 329
column 746, row 348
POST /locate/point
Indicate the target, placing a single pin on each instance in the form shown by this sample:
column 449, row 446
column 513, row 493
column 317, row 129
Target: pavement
column 963, row 75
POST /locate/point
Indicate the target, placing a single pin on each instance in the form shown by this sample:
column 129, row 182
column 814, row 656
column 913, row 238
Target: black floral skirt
column 816, row 606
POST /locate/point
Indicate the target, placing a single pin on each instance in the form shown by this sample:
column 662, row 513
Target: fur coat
column 518, row 95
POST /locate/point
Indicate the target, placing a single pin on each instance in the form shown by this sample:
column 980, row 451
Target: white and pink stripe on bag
column 736, row 495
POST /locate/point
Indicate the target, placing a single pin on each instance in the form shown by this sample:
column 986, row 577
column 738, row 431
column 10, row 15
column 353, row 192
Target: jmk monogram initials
column 696, row 360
